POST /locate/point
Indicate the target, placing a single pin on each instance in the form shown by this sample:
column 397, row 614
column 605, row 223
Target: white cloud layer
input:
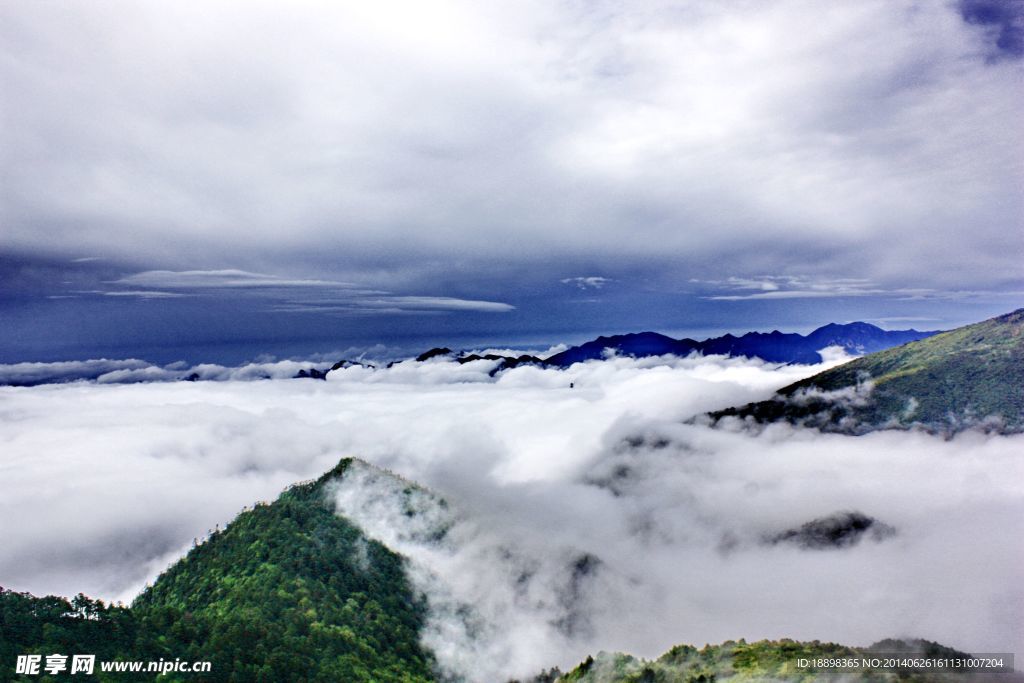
column 132, row 371
column 583, row 518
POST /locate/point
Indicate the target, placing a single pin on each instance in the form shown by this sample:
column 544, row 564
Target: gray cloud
column 394, row 145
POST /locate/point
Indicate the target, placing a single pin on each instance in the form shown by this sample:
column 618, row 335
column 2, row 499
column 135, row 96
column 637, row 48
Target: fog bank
column 578, row 519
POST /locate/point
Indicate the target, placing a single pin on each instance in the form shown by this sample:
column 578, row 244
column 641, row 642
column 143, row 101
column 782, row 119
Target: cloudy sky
column 212, row 181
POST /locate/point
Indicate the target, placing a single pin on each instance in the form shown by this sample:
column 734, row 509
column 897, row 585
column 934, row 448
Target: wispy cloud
column 120, row 293
column 904, row 319
column 587, row 282
column 777, row 287
column 218, row 279
column 144, row 294
column 443, row 303
column 955, row 295
column 299, row 295
column 393, row 304
column 788, row 287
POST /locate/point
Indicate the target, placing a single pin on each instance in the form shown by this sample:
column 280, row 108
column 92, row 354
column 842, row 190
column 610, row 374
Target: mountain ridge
column 968, row 377
column 774, row 346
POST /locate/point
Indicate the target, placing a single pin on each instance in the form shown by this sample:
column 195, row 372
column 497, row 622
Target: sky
column 579, row 519
column 222, row 181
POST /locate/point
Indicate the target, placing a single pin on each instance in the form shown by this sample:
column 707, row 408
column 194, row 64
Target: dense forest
column 288, row 591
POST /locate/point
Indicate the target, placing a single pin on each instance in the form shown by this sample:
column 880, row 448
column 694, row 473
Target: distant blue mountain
column 637, row 345
column 777, row 347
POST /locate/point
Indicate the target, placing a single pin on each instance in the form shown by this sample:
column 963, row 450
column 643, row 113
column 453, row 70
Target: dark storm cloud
column 1005, row 18
column 399, row 146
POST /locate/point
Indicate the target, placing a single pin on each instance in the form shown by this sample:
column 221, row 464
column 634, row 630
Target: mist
column 575, row 519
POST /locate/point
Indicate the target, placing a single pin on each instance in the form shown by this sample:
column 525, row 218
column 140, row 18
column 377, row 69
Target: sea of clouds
column 136, row 371
column 578, row 519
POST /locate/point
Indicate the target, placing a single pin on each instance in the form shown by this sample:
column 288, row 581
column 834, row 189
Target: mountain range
column 855, row 338
column 777, row 347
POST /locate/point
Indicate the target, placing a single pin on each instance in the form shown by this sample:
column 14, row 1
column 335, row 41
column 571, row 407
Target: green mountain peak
column 291, row 587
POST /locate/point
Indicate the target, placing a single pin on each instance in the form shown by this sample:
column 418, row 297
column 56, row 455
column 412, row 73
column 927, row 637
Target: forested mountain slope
column 972, row 376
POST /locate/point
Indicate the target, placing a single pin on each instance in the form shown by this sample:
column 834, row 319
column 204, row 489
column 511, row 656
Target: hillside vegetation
column 288, row 591
column 742, row 662
column 972, row 376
